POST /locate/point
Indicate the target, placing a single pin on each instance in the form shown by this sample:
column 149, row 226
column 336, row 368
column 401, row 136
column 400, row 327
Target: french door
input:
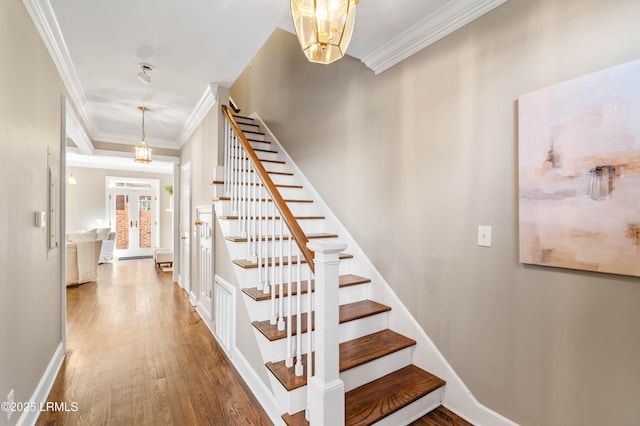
column 134, row 216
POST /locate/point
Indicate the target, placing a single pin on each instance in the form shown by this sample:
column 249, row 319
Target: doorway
column 133, row 214
column 185, row 229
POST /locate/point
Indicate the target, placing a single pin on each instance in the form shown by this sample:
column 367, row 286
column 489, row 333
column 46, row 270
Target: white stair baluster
column 289, row 359
column 227, row 162
column 299, row 367
column 274, row 313
column 236, row 175
column 281, row 276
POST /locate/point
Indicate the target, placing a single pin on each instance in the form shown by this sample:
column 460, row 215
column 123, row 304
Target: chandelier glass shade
column 142, row 152
column 324, row 27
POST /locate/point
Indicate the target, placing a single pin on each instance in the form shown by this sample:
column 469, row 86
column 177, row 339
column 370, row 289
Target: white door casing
column 204, row 259
column 132, row 211
column 185, row 227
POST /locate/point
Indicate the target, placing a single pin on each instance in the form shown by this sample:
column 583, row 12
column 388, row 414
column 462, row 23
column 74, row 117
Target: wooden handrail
column 294, row 227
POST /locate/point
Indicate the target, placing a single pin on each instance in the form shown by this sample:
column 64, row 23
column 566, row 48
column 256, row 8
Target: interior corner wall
column 203, row 151
column 86, row 200
column 414, row 159
column 30, row 284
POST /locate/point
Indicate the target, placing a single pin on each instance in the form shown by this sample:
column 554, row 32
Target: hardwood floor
column 138, row 353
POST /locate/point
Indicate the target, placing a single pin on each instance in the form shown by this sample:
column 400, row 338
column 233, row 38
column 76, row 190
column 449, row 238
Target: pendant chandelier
column 324, row 27
column 142, row 150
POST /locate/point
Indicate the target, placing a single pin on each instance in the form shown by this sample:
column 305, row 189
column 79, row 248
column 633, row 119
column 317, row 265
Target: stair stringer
column 456, row 396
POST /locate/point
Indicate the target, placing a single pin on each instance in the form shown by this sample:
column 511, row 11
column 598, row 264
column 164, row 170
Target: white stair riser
column 288, row 402
column 240, row 250
column 247, row 126
column 261, row 144
column 297, row 209
column 362, row 327
column 232, row 227
column 287, row 193
column 261, row 310
column 415, row 410
column 241, row 120
column 375, row 369
column 249, row 277
column 254, row 136
column 277, row 350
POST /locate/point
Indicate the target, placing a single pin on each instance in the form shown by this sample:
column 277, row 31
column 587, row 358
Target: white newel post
column 326, row 390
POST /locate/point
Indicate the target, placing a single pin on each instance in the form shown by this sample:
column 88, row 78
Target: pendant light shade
column 324, row 27
column 142, row 151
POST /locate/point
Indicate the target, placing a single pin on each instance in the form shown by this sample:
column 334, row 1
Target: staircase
column 381, row 384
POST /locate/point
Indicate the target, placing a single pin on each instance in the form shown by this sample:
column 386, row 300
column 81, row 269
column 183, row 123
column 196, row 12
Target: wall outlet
column 10, row 400
column 484, row 236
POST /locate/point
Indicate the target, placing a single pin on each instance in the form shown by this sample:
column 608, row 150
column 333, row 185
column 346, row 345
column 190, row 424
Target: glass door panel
column 122, row 221
column 144, row 222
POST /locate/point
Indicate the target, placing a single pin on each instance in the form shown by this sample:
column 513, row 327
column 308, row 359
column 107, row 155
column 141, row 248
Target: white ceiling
column 194, row 44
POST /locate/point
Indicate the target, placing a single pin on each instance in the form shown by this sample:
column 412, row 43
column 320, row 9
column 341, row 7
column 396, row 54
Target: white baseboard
column 255, row 384
column 40, row 395
column 258, row 387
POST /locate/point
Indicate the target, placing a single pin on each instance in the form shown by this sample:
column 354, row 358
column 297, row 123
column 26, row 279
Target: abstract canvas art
column 579, row 173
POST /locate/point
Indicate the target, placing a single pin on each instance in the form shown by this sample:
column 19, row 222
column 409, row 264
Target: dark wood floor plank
column 441, row 416
column 138, row 353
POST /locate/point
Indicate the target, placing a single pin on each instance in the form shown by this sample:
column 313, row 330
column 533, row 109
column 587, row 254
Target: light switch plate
column 41, row 219
column 484, row 236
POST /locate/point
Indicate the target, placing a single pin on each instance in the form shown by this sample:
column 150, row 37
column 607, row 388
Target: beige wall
column 30, row 286
column 414, row 159
column 86, row 200
column 203, row 152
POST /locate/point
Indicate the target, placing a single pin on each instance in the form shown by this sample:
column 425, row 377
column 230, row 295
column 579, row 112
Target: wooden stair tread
column 252, row 132
column 257, row 140
column 441, row 416
column 277, row 217
column 296, row 419
column 237, row 239
column 347, row 312
column 376, row 400
column 278, row 185
column 270, row 172
column 370, row 347
column 352, row 354
column 236, row 116
column 345, row 281
column 263, row 160
column 248, row 264
column 264, row 200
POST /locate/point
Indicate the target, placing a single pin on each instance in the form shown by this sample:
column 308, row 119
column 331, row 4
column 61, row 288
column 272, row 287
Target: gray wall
column 86, row 199
column 414, row 159
column 30, row 285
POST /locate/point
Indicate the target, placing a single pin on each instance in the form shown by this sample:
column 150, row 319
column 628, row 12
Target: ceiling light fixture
column 324, row 27
column 142, row 150
column 71, row 179
column 142, row 75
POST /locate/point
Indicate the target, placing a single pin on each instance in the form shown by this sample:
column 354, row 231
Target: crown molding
column 447, row 19
column 46, row 23
column 116, row 160
column 127, row 139
column 206, row 102
column 76, row 132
